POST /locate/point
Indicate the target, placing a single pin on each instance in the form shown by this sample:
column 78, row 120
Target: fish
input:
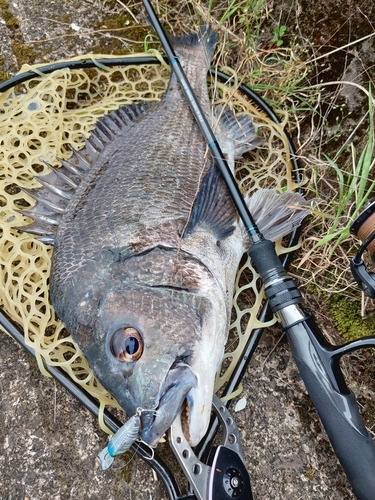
column 147, row 243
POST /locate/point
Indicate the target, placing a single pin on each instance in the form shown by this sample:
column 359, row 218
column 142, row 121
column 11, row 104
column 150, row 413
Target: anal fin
column 236, row 133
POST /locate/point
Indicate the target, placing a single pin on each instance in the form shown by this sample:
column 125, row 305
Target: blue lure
column 122, row 440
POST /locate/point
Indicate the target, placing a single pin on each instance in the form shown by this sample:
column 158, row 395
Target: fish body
column 121, row 263
column 146, row 248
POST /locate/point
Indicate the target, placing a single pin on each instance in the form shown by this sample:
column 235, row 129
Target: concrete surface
column 49, row 443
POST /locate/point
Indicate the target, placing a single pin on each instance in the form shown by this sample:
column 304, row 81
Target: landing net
column 44, row 116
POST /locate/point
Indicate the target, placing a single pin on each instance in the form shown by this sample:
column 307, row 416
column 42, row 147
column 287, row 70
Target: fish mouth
column 174, row 395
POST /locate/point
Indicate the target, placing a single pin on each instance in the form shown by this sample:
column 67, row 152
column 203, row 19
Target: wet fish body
column 146, row 248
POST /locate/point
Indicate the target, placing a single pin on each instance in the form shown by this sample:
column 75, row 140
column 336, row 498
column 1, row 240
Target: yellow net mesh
column 40, row 119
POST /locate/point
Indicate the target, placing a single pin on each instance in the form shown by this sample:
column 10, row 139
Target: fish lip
column 178, row 382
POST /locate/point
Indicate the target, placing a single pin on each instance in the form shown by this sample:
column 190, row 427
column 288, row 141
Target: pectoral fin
column 278, row 214
column 213, row 206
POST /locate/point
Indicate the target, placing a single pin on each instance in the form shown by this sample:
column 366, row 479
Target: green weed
column 248, row 17
column 354, row 188
column 279, row 32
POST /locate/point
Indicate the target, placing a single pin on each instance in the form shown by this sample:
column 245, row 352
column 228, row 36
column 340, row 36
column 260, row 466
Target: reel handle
column 364, row 278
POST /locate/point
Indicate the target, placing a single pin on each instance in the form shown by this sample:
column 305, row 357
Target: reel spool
column 364, row 228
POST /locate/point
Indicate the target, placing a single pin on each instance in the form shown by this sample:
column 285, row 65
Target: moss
column 347, row 318
column 7, row 15
column 13, row 24
column 111, row 46
column 11, row 21
column 125, row 29
column 4, row 75
column 66, row 18
column 126, row 470
column 309, row 473
column 116, row 22
column 23, row 53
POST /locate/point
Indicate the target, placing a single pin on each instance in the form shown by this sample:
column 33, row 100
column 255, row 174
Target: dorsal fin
column 60, row 183
column 213, row 206
column 111, row 125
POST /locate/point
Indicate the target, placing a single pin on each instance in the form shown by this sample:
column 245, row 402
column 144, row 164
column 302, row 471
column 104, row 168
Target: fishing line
column 356, row 451
column 337, row 408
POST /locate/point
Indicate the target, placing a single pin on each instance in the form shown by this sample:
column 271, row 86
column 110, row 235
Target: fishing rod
column 164, row 473
column 317, row 360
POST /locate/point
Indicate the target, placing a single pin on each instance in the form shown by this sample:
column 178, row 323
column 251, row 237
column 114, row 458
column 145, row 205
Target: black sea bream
column 147, row 245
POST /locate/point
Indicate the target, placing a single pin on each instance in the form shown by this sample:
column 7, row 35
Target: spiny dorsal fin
column 110, row 126
column 45, row 232
column 213, row 206
column 239, row 134
column 45, row 197
column 59, row 185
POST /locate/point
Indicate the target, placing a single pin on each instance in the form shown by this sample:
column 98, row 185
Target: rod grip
column 280, row 289
column 338, row 412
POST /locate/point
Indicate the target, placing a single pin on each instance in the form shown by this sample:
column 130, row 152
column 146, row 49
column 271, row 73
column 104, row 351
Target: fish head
column 156, row 349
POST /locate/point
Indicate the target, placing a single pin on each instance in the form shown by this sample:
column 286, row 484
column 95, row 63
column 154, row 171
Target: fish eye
column 127, row 344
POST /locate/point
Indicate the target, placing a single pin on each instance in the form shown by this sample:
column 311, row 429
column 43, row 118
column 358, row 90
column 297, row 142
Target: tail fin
column 276, row 215
column 185, row 45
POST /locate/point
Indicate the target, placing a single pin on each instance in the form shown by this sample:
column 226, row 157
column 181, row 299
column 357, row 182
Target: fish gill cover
column 42, row 119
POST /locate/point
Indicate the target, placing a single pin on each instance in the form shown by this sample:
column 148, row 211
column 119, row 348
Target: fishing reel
column 364, row 228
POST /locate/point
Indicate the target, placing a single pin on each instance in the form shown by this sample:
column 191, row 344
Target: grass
column 276, row 53
column 335, row 147
column 344, row 182
column 248, row 17
column 354, row 187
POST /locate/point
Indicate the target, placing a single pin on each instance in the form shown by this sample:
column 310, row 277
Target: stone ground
column 49, row 442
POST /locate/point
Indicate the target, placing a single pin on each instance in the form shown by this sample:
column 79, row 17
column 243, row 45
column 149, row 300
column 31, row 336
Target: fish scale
column 147, row 246
column 116, row 194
